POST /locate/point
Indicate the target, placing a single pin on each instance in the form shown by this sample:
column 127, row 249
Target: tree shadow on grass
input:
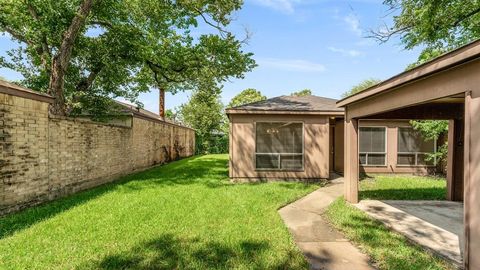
column 171, row 252
column 207, row 171
column 432, row 193
column 183, row 172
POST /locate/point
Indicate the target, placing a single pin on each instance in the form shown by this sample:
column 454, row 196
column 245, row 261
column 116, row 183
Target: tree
column 171, row 114
column 425, row 56
column 248, row 95
column 365, row 84
column 302, row 93
column 84, row 52
column 439, row 24
column 204, row 113
column 432, row 130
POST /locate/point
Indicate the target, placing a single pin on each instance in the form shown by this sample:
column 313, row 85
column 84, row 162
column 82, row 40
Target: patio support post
column 351, row 160
column 472, row 181
column 455, row 160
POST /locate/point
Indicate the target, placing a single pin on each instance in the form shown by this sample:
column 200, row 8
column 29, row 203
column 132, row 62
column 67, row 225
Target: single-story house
column 302, row 138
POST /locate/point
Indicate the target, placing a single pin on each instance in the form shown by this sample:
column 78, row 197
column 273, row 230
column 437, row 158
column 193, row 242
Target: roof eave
column 462, row 55
column 333, row 113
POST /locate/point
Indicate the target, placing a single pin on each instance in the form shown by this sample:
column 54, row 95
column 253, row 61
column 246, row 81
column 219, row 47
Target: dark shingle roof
column 293, row 103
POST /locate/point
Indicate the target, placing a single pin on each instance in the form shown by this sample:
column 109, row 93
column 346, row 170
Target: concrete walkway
column 435, row 225
column 323, row 246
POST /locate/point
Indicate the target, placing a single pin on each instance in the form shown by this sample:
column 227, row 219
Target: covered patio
column 447, row 88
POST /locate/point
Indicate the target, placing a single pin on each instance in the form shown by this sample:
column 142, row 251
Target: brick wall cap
column 19, row 91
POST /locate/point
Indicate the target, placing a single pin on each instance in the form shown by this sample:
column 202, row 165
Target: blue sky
column 315, row 44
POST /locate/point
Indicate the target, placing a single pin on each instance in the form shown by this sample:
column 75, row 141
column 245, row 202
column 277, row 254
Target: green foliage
column 361, row 86
column 302, row 93
column 439, row 24
column 125, row 47
column 169, row 114
column 204, row 113
column 183, row 215
column 249, row 95
column 432, row 130
column 425, row 56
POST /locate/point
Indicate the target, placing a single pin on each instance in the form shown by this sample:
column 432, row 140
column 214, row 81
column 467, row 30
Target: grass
column 184, row 215
column 403, row 187
column 387, row 249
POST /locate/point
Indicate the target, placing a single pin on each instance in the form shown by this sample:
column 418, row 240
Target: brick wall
column 43, row 158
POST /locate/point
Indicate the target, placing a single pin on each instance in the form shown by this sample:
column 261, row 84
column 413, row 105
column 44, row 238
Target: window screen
column 279, row 146
column 372, row 146
column 413, row 149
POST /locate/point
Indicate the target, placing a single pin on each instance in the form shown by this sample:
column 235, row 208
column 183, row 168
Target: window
column 372, row 146
column 413, row 149
column 279, row 146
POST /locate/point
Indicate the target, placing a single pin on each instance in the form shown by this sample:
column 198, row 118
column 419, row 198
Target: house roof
column 146, row 114
column 290, row 104
column 137, row 110
column 462, row 55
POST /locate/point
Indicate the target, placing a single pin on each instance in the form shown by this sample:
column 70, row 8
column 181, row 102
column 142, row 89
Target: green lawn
column 387, row 249
column 403, row 187
column 184, row 215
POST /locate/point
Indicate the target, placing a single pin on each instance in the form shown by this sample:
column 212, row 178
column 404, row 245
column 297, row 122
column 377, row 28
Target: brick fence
column 45, row 157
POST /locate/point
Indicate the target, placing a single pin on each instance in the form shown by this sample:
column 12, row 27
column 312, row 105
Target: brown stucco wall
column 339, row 146
column 43, row 158
column 242, row 147
column 392, row 150
column 392, row 137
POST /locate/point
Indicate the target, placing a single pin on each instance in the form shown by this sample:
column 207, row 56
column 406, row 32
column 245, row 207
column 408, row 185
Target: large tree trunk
column 62, row 58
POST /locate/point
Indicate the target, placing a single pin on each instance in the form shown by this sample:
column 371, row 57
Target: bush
column 212, row 144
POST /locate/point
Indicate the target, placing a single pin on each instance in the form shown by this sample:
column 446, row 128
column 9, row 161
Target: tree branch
column 43, row 50
column 15, row 34
column 86, row 82
column 157, row 69
column 383, row 37
column 466, row 16
column 101, row 23
column 216, row 26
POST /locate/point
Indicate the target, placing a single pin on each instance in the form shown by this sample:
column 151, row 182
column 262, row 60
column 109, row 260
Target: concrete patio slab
column 323, row 246
column 435, row 225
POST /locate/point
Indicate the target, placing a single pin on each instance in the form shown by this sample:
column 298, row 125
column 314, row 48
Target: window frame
column 416, row 153
column 279, row 154
column 375, row 153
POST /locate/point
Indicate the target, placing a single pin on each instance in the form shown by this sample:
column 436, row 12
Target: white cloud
column 291, row 64
column 344, row 52
column 286, row 6
column 353, row 23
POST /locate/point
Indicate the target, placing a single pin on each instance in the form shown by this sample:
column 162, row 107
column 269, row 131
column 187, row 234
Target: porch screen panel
column 372, row 146
column 279, row 146
column 413, row 149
